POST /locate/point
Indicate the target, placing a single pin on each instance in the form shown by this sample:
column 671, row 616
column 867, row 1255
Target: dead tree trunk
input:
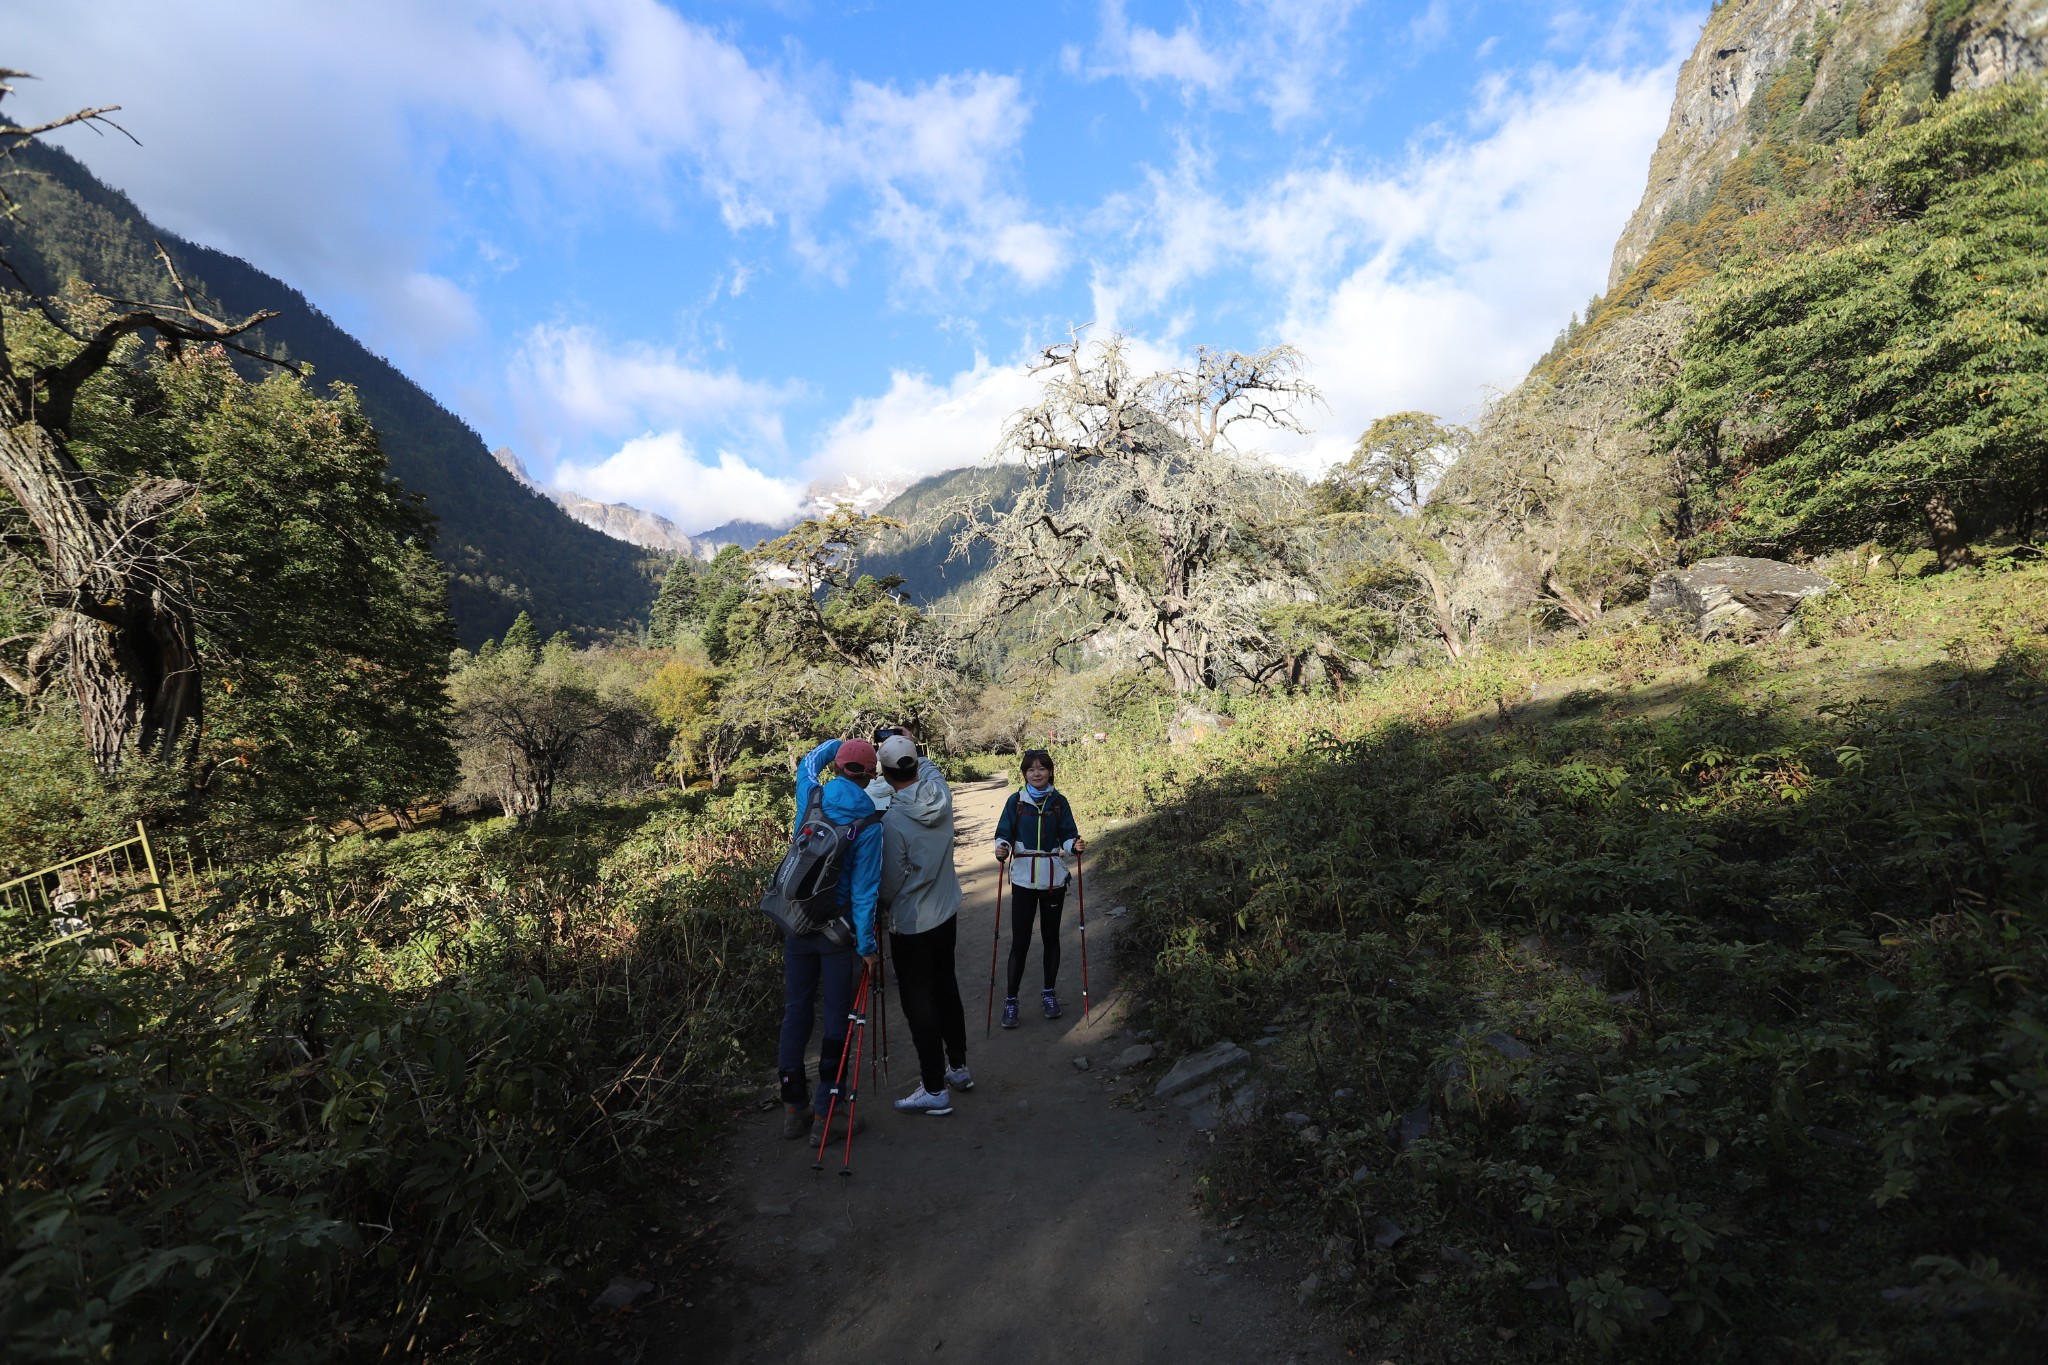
column 1583, row 610
column 120, row 622
column 1442, row 614
column 120, row 628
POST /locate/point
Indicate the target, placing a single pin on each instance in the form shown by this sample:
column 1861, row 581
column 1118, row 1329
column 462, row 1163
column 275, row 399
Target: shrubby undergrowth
column 1691, row 1010
column 363, row 1106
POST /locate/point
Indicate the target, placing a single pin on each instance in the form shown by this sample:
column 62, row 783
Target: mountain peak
column 863, row 495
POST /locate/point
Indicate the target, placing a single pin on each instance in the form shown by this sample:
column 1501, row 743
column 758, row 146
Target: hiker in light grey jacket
column 922, row 892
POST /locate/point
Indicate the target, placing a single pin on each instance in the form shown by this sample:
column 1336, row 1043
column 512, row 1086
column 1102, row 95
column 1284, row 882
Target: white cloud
column 920, row 427
column 432, row 309
column 1420, row 284
column 1179, row 57
column 356, row 114
column 663, row 473
column 1280, row 50
column 569, row 379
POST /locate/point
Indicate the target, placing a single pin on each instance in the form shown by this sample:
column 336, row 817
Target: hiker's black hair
column 1032, row 756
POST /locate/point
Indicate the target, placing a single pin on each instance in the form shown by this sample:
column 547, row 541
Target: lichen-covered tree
column 1143, row 527
column 214, row 573
column 1384, row 499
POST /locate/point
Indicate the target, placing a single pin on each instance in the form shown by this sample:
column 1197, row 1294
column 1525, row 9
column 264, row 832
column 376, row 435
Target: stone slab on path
column 1194, row 1069
column 1039, row 1221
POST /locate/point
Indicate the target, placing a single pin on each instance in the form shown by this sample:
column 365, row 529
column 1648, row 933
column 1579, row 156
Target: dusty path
column 1040, row 1221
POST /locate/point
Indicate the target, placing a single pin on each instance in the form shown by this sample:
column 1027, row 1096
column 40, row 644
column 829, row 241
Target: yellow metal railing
column 70, row 890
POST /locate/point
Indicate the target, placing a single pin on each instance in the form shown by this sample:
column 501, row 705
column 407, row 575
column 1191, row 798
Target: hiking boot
column 1010, row 1012
column 1052, row 1005
column 796, row 1123
column 923, row 1101
column 959, row 1078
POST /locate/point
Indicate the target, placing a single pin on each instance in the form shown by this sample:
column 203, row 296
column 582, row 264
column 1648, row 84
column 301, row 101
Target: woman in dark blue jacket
column 1033, row 836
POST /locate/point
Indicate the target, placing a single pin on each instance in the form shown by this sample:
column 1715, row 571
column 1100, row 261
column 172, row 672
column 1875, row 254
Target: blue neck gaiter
column 1038, row 793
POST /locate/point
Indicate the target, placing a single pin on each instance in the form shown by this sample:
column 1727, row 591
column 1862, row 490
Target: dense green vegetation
column 1875, row 364
column 1696, row 1011
column 506, row 549
column 376, row 1104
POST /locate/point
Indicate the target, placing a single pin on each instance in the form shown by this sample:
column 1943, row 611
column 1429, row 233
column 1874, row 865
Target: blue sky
column 695, row 256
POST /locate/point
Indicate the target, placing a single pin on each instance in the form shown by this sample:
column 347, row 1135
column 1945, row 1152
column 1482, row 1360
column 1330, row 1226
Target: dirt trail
column 1040, row 1221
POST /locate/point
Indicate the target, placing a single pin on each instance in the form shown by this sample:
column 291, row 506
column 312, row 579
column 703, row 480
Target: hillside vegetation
column 1641, row 995
column 378, row 1104
column 1683, row 1001
column 1853, row 352
column 506, row 549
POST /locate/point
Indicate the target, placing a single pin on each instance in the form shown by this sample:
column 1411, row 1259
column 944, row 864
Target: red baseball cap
column 856, row 758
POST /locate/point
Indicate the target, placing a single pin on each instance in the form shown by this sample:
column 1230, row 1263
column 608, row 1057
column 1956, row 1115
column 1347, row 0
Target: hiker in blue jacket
column 1035, row 832
column 811, row 962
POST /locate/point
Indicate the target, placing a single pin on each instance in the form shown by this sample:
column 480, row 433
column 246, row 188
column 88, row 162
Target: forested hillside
column 932, row 511
column 507, row 549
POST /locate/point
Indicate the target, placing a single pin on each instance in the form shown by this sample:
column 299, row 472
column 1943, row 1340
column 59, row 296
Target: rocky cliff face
column 1851, row 44
column 1997, row 42
column 634, row 525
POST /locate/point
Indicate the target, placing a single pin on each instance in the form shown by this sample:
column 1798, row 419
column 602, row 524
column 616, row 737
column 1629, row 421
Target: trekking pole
column 1081, row 907
column 853, row 1022
column 988, row 1025
column 882, row 1010
column 860, row 1033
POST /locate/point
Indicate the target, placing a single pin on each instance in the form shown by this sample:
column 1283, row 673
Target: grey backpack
column 804, row 896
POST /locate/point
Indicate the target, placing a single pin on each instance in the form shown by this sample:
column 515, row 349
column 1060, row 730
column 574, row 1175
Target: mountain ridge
column 505, row 548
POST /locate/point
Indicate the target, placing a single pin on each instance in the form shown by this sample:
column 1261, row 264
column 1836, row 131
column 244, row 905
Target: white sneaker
column 923, row 1101
column 959, row 1076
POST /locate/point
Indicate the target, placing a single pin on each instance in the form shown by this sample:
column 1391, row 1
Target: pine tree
column 522, row 636
column 678, row 606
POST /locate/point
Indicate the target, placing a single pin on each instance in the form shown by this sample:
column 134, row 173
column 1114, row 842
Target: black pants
column 930, row 991
column 1044, row 906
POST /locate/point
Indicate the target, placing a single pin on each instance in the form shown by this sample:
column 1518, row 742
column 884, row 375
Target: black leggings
column 1044, row 906
column 929, row 991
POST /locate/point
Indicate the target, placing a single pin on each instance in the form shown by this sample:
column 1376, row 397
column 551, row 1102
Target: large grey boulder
column 1734, row 595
